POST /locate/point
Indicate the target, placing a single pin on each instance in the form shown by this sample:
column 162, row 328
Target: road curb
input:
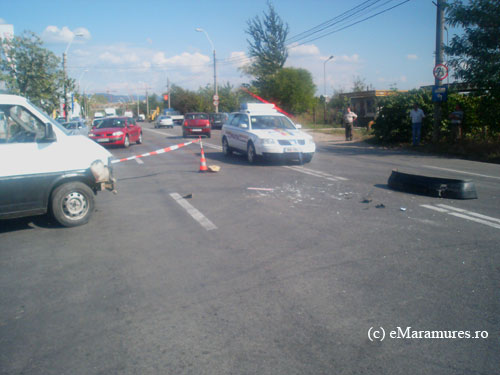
column 432, row 186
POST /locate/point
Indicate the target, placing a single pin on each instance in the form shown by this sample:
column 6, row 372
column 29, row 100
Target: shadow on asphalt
column 362, row 148
column 29, row 222
column 241, row 159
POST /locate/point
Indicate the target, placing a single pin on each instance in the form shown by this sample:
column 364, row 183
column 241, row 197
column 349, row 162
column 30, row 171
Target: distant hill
column 117, row 98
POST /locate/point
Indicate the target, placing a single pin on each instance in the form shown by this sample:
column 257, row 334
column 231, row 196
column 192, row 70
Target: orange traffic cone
column 203, row 161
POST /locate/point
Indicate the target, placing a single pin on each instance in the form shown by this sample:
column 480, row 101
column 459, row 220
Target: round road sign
column 440, row 71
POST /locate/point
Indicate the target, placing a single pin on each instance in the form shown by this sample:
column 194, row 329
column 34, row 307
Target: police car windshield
column 271, row 122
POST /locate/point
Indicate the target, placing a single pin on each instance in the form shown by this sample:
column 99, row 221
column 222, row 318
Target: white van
column 45, row 169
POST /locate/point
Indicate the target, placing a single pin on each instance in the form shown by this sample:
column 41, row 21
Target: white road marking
column 139, row 161
column 472, row 216
column 470, row 213
column 209, row 145
column 197, row 215
column 463, row 172
column 315, row 173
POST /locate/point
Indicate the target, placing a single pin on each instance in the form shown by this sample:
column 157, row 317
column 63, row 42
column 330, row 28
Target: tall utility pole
column 439, row 60
column 324, row 86
column 65, row 87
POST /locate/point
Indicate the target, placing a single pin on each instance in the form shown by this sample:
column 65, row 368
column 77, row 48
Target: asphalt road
column 267, row 269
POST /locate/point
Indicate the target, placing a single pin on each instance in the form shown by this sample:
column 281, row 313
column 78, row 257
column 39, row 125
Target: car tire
column 251, row 156
column 226, row 150
column 72, row 204
column 184, row 134
column 209, row 135
column 139, row 140
column 306, row 158
column 126, row 142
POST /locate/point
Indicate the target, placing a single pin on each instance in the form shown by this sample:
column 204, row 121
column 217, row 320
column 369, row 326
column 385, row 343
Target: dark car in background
column 217, row 119
column 197, row 124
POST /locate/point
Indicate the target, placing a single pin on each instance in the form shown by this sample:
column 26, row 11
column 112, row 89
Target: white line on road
column 478, row 218
column 463, row 172
column 209, row 145
column 197, row 215
column 470, row 213
column 139, row 161
column 315, row 173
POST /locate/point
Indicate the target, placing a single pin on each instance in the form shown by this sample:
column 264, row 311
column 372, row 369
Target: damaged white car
column 45, row 169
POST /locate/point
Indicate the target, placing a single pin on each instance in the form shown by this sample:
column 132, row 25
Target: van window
column 18, row 125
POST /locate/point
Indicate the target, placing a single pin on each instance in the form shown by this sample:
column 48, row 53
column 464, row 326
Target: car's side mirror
column 298, row 126
column 49, row 135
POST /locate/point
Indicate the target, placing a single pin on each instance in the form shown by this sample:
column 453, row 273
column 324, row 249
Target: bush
column 393, row 123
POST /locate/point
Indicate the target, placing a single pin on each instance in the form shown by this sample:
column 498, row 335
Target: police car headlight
column 117, row 133
column 267, row 141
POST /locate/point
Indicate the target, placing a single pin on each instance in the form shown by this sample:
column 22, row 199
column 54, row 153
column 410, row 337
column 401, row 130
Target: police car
column 260, row 130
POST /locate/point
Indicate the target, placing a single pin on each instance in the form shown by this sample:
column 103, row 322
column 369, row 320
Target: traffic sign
column 440, row 72
column 216, row 102
column 216, row 98
column 439, row 94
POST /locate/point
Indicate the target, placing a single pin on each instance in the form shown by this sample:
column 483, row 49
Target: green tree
column 292, row 89
column 32, row 71
column 266, row 45
column 475, row 54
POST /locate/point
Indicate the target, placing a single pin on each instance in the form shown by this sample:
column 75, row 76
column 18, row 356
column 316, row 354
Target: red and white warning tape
column 157, row 152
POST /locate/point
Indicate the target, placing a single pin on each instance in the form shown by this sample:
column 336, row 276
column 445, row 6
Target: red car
column 117, row 131
column 196, row 124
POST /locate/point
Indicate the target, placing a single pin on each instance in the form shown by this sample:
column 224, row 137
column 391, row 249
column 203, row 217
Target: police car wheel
column 251, row 156
column 307, row 158
column 225, row 147
column 72, row 204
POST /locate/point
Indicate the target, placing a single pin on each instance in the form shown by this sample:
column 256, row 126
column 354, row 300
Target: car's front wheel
column 306, row 158
column 251, row 156
column 72, row 204
column 126, row 142
column 139, row 140
column 226, row 150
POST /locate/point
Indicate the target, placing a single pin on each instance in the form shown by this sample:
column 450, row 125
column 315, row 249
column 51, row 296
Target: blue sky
column 130, row 45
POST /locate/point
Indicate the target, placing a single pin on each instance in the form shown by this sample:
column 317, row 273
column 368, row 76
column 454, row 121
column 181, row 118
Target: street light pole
column 324, row 86
column 65, row 71
column 216, row 93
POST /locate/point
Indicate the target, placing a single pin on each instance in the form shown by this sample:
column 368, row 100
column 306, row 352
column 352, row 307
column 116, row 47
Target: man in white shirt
column 417, row 115
column 349, row 118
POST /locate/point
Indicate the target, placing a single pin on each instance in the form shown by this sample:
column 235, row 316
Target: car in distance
column 217, row 119
column 260, row 130
column 197, row 124
column 76, row 128
column 117, row 131
column 163, row 120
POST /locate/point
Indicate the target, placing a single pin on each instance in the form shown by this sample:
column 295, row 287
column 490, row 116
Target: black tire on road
column 306, row 158
column 226, row 150
column 251, row 156
column 72, row 204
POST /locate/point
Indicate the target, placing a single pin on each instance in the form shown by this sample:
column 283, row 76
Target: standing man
column 349, row 118
column 417, row 115
column 456, row 119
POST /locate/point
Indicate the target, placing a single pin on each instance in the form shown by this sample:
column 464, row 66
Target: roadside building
column 365, row 104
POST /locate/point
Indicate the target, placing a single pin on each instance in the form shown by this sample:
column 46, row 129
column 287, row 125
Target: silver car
column 163, row 120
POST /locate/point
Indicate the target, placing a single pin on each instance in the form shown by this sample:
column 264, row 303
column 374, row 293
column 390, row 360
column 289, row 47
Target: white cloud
column 52, row 34
column 350, row 59
column 239, row 59
column 303, row 50
column 412, row 57
column 149, row 40
column 2, row 21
